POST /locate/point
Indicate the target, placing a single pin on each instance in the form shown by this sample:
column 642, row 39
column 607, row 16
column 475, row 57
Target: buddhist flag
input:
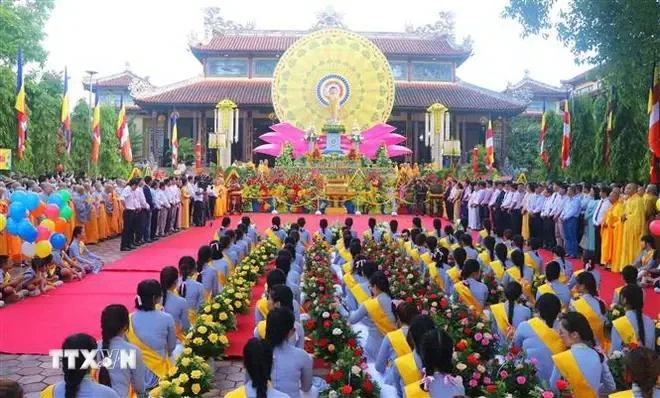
column 544, row 131
column 609, row 125
column 123, row 134
column 65, row 117
column 654, row 122
column 566, row 138
column 175, row 139
column 96, row 130
column 490, row 149
column 21, row 107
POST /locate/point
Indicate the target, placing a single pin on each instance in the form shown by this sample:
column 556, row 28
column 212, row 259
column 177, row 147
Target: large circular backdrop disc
column 335, row 61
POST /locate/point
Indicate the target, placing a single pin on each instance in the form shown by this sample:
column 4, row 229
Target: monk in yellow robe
column 609, row 229
column 650, row 199
column 185, row 207
column 221, row 200
column 92, row 226
column 115, row 214
column 633, row 219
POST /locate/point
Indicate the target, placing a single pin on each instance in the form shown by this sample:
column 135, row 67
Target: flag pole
column 91, row 74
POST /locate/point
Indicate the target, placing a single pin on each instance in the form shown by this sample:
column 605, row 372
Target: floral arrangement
column 613, row 313
column 495, row 291
column 191, row 377
column 236, row 297
column 615, row 362
column 516, row 374
column 434, row 300
column 539, row 280
column 406, row 282
column 207, row 339
column 221, row 311
column 462, row 324
column 348, row 378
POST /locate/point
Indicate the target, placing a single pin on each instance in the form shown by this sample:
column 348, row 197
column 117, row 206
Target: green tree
column 22, row 26
column 621, row 38
column 523, row 142
column 81, row 138
column 186, row 150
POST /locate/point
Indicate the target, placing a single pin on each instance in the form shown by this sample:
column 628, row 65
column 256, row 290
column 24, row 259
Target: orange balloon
column 39, row 210
column 60, row 225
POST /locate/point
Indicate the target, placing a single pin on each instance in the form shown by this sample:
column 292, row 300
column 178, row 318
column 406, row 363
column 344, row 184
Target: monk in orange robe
column 634, row 224
column 612, row 231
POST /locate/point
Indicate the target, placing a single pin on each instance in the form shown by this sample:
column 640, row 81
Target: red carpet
column 36, row 325
column 245, row 324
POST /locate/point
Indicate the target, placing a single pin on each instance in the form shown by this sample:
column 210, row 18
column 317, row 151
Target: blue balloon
column 12, row 226
column 55, row 198
column 58, row 241
column 27, row 231
column 32, row 201
column 18, row 196
column 17, row 211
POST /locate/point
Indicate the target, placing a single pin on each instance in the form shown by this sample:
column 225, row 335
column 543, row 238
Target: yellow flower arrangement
column 183, row 378
column 185, row 361
column 196, row 374
column 198, row 341
column 213, row 338
column 222, row 316
column 202, row 329
column 195, row 388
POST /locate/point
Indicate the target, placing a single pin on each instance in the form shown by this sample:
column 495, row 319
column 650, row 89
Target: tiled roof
column 536, row 87
column 119, row 80
column 586, row 76
column 458, row 96
column 268, row 42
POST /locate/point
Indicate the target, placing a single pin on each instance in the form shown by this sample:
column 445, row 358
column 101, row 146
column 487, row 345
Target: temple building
column 537, row 95
column 588, row 82
column 238, row 65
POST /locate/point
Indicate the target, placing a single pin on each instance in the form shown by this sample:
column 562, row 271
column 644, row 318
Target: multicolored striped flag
column 198, row 152
column 654, row 122
column 65, row 117
column 122, row 133
column 566, row 138
column 21, row 107
column 96, row 130
column 490, row 149
column 175, row 139
column 544, row 131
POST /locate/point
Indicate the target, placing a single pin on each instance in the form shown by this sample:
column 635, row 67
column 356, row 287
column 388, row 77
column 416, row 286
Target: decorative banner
column 330, row 74
column 5, row 159
column 475, row 160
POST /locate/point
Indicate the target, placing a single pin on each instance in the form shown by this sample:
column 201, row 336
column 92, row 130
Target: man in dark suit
column 147, row 213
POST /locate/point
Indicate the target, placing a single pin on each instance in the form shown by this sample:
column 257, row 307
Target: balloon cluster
column 41, row 240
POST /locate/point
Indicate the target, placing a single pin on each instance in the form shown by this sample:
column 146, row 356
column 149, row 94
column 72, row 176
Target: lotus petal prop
column 269, row 149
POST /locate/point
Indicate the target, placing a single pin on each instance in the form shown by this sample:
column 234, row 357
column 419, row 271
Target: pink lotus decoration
column 372, row 139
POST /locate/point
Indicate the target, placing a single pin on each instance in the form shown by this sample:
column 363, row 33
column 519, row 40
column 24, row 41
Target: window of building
column 399, row 70
column 433, row 71
column 264, row 67
column 537, row 105
column 227, row 67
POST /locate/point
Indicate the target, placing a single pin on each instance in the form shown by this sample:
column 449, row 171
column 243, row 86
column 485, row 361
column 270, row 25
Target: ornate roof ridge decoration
column 107, row 81
column 492, row 93
column 528, row 80
column 591, row 74
column 329, row 18
column 168, row 87
column 299, row 33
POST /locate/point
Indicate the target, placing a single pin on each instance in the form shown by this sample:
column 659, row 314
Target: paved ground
column 35, row 372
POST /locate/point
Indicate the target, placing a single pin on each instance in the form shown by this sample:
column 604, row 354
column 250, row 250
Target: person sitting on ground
column 394, row 344
column 280, row 296
column 644, row 260
column 501, row 263
column 305, row 237
column 224, row 226
column 566, row 266
column 487, row 255
column 449, row 241
column 507, row 239
column 325, row 232
column 10, row 286
column 485, row 232
column 77, row 381
column 206, row 274
column 438, row 381
column 470, row 290
column 174, row 304
column 189, row 288
column 219, row 264
column 506, row 316
column 553, row 285
column 532, row 257
column 590, row 267
column 274, row 278
column 258, row 362
column 349, row 224
column 630, row 277
column 125, row 382
column 590, row 305
column 83, row 256
column 642, row 365
column 10, row 389
column 407, row 368
column 634, row 326
column 466, row 243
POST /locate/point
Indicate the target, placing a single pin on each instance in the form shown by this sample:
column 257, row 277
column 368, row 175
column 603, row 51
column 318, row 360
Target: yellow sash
column 207, row 296
column 154, row 361
column 483, row 233
column 515, row 273
column 408, row 246
column 347, row 268
column 546, row 288
column 500, row 315
column 378, row 316
column 358, row 292
column 179, row 333
column 466, row 295
column 617, row 292
column 625, row 329
column 273, row 237
column 426, row 257
column 261, row 329
column 454, row 274
column 388, row 237
column 221, row 278
column 414, row 254
column 48, row 392
column 192, row 316
column 414, row 390
column 262, row 307
column 622, row 394
column 349, row 280
column 6, row 278
column 346, row 255
column 530, row 262
column 570, row 370
column 547, row 335
column 498, row 268
column 407, row 368
column 484, row 256
column 230, row 264
column 647, row 257
column 399, row 343
column 582, row 306
column 435, row 276
column 367, row 234
column 237, row 393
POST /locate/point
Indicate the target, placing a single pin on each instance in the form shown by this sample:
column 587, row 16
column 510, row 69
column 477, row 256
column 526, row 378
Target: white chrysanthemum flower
column 336, row 332
column 325, row 315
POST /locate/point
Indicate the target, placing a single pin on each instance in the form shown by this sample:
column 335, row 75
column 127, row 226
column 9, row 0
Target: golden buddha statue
column 333, row 103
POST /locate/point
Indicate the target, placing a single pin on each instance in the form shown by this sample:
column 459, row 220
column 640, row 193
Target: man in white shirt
column 131, row 204
column 140, row 233
column 191, row 202
column 505, row 207
column 548, row 220
column 198, row 204
column 493, row 205
column 534, row 208
column 557, row 209
column 516, row 208
column 449, row 202
column 474, row 222
column 164, row 203
column 599, row 217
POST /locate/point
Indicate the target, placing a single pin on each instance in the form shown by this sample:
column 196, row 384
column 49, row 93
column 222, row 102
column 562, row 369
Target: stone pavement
column 35, row 372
